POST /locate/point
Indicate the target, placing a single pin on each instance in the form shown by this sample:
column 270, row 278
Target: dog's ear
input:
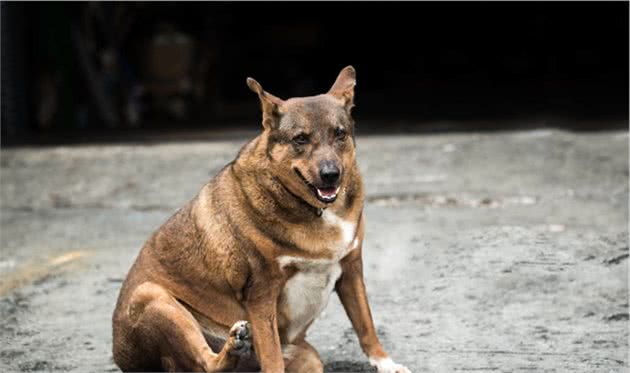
column 269, row 104
column 343, row 89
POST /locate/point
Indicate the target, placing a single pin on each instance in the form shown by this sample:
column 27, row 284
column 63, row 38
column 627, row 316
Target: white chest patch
column 306, row 294
column 348, row 231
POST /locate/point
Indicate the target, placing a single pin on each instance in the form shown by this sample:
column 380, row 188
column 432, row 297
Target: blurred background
column 81, row 72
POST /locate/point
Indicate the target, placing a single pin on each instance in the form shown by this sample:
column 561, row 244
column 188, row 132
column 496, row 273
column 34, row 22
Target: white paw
column 241, row 338
column 386, row 365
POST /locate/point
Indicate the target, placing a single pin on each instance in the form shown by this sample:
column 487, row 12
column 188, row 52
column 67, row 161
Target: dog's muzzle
column 326, row 194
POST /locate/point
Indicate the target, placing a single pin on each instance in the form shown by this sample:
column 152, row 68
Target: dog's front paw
column 240, row 339
column 386, row 365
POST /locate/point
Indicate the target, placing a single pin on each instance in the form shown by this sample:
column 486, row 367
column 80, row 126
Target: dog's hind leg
column 170, row 335
column 301, row 358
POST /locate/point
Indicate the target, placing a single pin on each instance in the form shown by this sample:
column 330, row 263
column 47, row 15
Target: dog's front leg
column 351, row 291
column 262, row 315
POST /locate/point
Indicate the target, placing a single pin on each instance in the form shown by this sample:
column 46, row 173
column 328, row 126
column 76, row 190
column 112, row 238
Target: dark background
column 75, row 72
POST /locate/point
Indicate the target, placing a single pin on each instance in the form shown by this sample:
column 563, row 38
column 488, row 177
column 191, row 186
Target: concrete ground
column 500, row 252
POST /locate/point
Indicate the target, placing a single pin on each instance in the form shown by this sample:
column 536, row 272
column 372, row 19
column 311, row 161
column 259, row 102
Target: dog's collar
column 318, row 211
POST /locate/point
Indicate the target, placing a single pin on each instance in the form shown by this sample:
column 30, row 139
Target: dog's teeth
column 327, row 197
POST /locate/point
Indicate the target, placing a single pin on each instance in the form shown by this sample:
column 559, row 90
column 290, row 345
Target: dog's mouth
column 325, row 194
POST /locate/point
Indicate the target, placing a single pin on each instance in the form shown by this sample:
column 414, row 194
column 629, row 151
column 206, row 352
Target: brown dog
column 267, row 241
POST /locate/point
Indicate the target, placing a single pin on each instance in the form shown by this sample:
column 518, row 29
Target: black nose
column 329, row 172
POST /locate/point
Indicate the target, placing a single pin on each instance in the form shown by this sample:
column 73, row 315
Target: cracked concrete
column 497, row 252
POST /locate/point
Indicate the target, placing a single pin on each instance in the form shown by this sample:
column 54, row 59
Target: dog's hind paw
column 240, row 339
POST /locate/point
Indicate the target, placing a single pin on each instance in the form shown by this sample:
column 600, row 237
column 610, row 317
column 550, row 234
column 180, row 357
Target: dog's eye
column 301, row 139
column 340, row 133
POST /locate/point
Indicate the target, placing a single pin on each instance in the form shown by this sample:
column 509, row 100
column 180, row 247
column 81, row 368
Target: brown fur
column 215, row 261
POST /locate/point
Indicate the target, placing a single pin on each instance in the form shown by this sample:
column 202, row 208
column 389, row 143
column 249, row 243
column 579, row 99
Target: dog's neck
column 301, row 202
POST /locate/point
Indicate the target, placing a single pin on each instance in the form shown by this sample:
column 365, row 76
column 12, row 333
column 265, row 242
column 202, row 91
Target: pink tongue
column 328, row 191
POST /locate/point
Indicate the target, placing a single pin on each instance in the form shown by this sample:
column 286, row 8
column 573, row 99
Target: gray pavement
column 501, row 252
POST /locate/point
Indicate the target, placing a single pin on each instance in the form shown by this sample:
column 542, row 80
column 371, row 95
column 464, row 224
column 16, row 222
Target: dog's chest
column 307, row 292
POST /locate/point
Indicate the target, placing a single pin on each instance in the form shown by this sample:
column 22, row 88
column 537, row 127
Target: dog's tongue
column 327, row 192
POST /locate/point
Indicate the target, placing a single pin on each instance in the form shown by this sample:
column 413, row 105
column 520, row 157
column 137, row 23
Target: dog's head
column 311, row 139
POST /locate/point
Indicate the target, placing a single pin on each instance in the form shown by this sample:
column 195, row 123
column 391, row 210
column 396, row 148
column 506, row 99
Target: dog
column 267, row 240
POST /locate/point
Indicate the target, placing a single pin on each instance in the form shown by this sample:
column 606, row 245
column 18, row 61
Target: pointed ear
column 343, row 89
column 269, row 104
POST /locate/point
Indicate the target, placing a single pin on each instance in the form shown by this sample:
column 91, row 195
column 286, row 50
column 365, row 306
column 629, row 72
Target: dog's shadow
column 346, row 366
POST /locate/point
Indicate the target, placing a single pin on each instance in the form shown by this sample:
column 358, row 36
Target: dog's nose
column 329, row 172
